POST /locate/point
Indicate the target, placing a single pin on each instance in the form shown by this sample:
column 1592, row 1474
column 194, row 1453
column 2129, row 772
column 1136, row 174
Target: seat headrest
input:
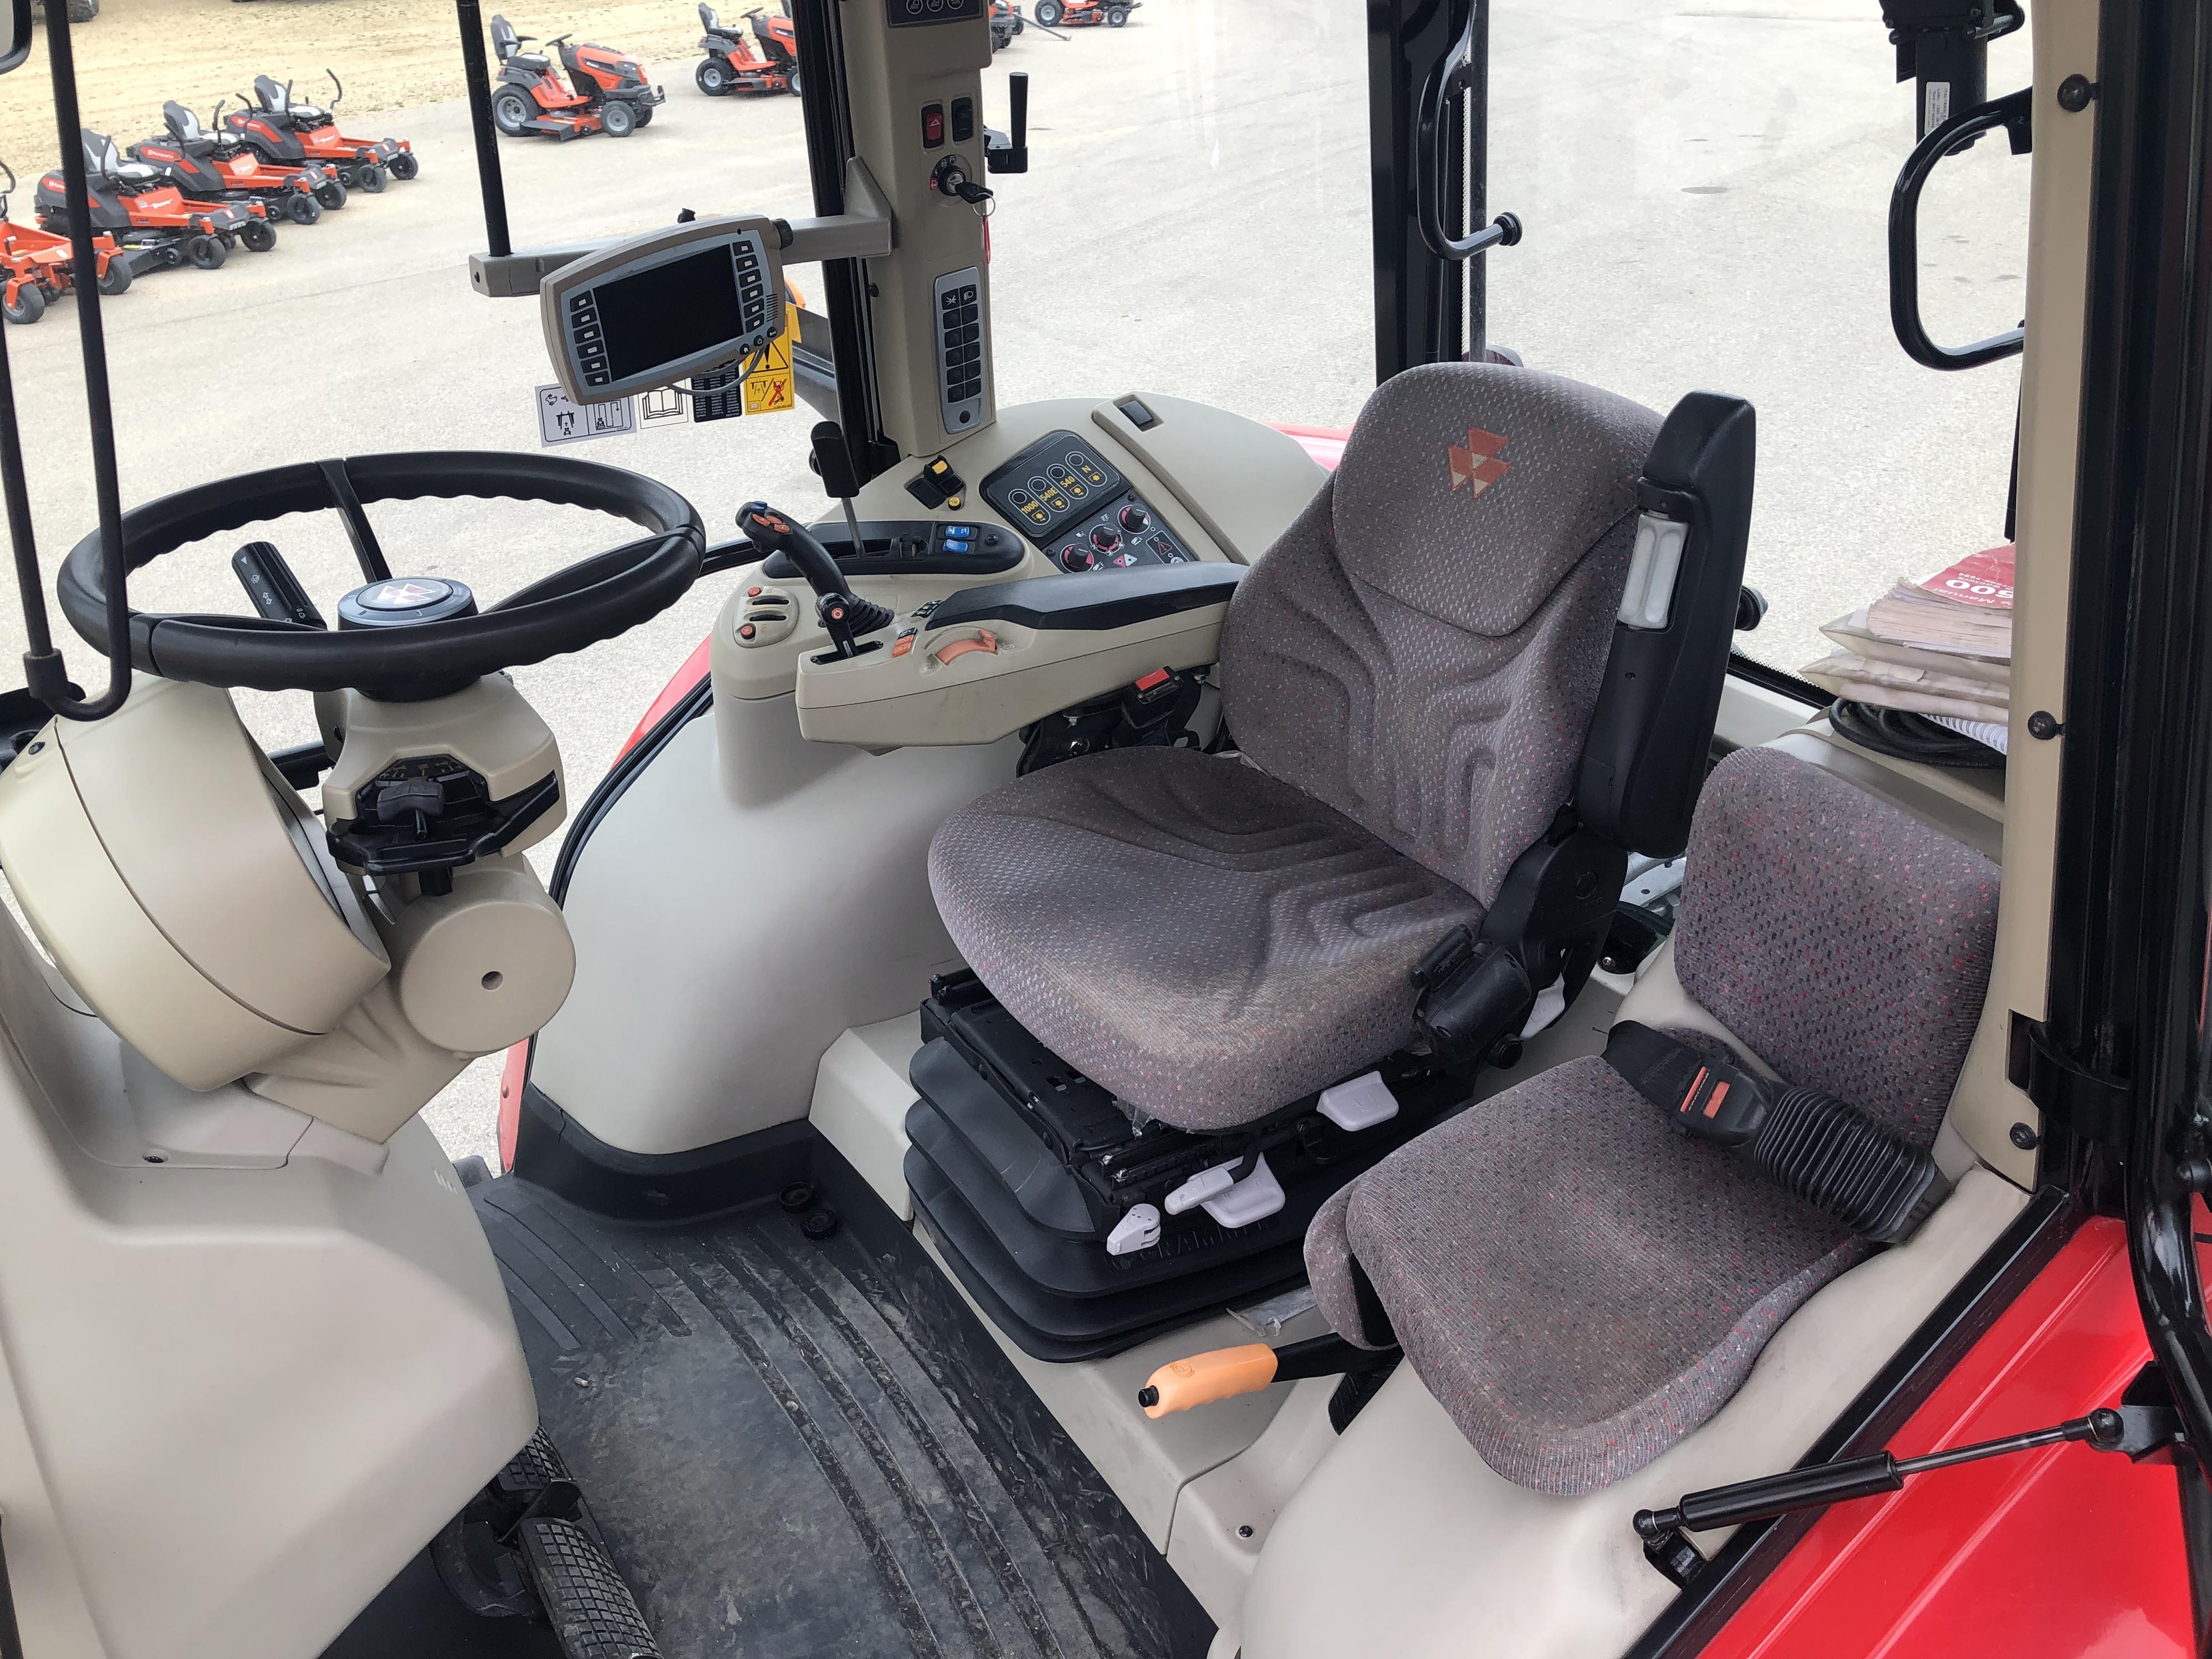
column 1468, row 491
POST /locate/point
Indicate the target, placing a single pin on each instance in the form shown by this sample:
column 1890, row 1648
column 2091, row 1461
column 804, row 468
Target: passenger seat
column 1579, row 1283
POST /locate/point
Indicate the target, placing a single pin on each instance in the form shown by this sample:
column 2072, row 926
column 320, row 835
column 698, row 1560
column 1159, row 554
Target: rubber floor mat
column 799, row 1449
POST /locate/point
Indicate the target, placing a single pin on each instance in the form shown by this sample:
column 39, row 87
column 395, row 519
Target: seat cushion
column 1577, row 1285
column 1185, row 930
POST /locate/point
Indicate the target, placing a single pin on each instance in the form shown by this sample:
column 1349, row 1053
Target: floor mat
column 799, row 1449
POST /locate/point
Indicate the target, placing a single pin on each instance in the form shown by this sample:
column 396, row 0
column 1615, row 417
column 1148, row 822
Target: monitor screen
column 666, row 315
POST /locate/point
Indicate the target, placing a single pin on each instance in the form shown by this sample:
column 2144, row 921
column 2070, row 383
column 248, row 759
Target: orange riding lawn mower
column 212, row 169
column 288, row 134
column 767, row 63
column 606, row 91
column 141, row 208
column 1077, row 14
column 36, row 265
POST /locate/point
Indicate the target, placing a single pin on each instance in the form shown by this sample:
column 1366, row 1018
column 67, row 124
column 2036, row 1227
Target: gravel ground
column 390, row 54
column 1705, row 187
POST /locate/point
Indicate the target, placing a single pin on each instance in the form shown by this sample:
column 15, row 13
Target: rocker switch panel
column 960, row 348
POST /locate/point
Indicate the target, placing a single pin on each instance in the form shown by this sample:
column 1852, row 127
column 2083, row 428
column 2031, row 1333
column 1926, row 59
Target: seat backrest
column 1845, row 941
column 708, row 19
column 183, row 125
column 101, row 158
column 1423, row 648
column 504, row 41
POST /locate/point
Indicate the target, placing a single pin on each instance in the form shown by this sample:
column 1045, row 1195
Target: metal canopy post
column 1428, row 65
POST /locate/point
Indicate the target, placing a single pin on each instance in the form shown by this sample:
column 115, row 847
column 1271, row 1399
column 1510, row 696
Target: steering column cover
column 181, row 887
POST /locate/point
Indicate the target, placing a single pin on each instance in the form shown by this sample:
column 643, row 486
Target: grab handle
column 2012, row 113
column 1460, row 69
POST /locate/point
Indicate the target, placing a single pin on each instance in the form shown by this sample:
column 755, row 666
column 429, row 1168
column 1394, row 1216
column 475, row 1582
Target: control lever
column 269, row 581
column 1002, row 154
column 845, row 615
column 833, row 464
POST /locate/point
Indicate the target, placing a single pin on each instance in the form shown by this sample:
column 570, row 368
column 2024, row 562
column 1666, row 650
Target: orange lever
column 984, row 641
column 1221, row 1374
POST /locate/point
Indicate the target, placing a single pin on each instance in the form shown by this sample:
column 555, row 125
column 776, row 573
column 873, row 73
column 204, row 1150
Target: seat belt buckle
column 1722, row 1103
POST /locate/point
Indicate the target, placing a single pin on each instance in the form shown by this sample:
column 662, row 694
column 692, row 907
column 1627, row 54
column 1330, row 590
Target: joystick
column 844, row 614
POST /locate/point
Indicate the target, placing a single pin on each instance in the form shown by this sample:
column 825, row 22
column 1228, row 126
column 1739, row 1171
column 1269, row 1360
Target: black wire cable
column 1909, row 737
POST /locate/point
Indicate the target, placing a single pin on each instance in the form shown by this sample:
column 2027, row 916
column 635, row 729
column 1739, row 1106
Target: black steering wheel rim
column 591, row 599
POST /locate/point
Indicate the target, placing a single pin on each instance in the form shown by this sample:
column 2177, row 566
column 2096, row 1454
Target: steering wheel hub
column 405, row 601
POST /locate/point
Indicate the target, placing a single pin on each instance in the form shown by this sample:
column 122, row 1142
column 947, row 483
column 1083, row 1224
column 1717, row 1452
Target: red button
column 1157, row 676
column 752, row 593
column 746, row 632
column 932, row 127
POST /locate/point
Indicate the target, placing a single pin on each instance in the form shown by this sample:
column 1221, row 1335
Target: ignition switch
column 949, row 178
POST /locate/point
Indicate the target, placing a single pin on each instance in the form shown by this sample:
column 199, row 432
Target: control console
column 1073, row 504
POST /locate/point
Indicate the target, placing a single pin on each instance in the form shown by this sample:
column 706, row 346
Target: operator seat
column 1409, row 675
column 1451, row 701
column 1579, row 1284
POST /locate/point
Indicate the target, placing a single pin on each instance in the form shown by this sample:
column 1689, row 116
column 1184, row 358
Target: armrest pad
column 1093, row 602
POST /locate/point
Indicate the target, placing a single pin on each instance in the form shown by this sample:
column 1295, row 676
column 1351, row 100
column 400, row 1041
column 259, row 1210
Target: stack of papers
column 1940, row 647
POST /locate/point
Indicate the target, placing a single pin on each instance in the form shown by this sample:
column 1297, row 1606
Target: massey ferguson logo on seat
column 1476, row 462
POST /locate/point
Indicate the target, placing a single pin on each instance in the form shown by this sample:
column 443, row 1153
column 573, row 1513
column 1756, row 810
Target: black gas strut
column 2138, row 1431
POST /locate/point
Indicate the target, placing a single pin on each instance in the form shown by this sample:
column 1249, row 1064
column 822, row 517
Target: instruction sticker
column 561, row 420
column 769, row 389
column 666, row 405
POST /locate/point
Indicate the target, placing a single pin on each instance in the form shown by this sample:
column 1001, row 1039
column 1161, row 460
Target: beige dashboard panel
column 976, row 683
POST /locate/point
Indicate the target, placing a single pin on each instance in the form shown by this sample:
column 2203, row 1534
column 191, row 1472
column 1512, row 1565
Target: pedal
column 531, row 1470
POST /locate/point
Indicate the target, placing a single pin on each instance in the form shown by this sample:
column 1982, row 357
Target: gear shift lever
column 843, row 613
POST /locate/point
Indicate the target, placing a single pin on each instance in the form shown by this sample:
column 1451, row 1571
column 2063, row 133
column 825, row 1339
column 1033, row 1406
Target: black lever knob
column 774, row 532
column 843, row 613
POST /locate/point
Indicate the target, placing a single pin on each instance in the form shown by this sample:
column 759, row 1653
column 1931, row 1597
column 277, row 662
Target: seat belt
column 1833, row 1155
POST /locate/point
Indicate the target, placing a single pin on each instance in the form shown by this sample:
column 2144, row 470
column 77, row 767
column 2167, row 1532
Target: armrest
column 1093, row 602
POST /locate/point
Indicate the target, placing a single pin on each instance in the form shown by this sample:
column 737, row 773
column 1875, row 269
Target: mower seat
column 530, row 63
column 1448, row 694
column 184, row 127
column 277, row 100
column 1579, row 1284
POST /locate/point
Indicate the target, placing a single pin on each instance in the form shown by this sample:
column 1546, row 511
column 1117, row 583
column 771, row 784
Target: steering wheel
column 400, row 639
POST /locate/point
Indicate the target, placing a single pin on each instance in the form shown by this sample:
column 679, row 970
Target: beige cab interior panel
column 1001, row 676
column 1988, row 1107
column 299, row 1369
column 715, row 964
column 891, row 73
